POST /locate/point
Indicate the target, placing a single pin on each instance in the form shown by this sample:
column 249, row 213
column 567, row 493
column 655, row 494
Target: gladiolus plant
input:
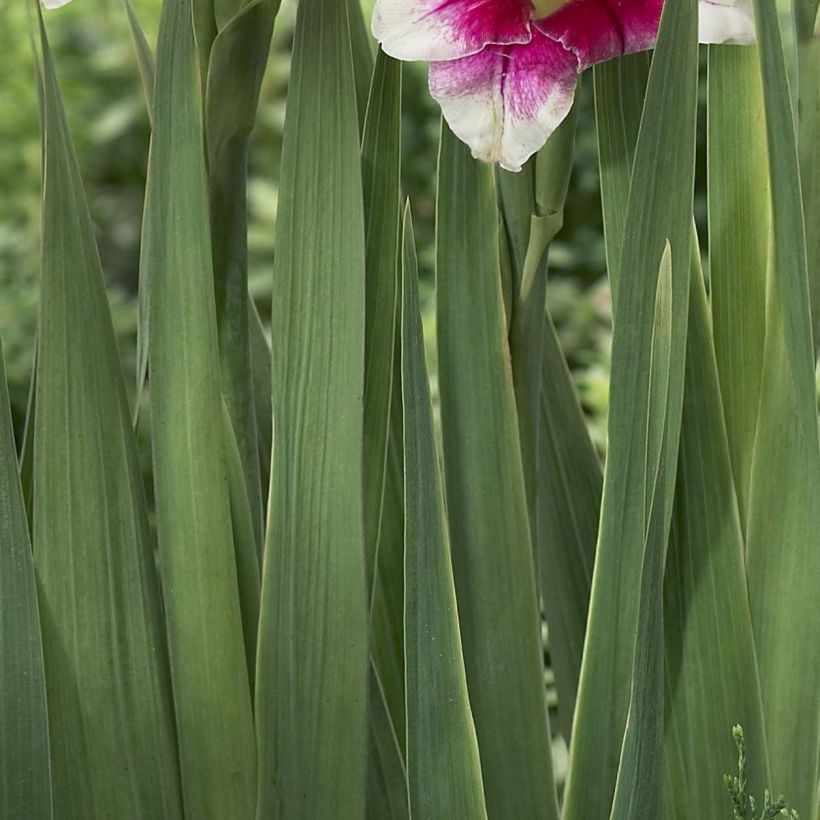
column 334, row 596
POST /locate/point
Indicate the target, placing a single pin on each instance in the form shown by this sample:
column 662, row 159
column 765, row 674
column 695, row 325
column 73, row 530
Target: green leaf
column 109, row 698
column 387, row 797
column 563, row 514
column 530, row 226
column 738, row 245
column 145, row 57
column 619, row 82
column 639, row 786
column 784, row 518
column 659, row 210
column 238, row 59
column 711, row 667
column 260, row 373
column 383, row 518
column 25, row 785
column 569, row 504
column 486, row 499
column 362, row 51
column 311, row 695
column 196, row 550
column 443, row 767
column 245, row 545
column 706, row 617
column 807, row 30
column 387, row 600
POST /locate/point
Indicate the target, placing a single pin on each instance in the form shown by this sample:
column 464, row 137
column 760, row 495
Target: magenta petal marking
column 448, row 29
column 504, row 102
column 598, row 30
column 485, row 22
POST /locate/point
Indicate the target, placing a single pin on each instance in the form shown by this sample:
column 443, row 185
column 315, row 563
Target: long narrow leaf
column 238, row 58
column 659, row 211
column 639, row 787
column 569, row 504
column 486, row 497
column 738, row 245
column 711, row 668
column 110, row 719
column 784, row 519
column 25, row 781
column 443, row 768
column 199, row 573
column 807, row 29
column 311, row 695
column 381, row 160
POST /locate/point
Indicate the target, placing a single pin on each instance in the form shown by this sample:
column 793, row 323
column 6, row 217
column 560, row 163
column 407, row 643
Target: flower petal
column 505, row 102
column 727, row 21
column 598, row 30
column 448, row 29
column 54, row 4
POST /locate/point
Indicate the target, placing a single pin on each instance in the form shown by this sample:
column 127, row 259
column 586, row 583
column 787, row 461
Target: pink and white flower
column 504, row 71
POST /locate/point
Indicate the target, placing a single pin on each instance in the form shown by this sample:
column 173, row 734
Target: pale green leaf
column 486, row 498
column 381, row 161
column 238, row 59
column 196, row 550
column 25, row 776
column 659, row 210
column 443, row 767
column 738, row 245
column 807, row 30
column 311, row 686
column 639, row 787
column 110, row 715
column 784, row 519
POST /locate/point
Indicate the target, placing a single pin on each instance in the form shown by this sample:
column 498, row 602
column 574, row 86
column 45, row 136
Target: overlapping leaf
column 641, row 435
column 443, row 767
column 113, row 742
column 311, row 686
column 486, row 497
column 25, row 777
column 196, row 550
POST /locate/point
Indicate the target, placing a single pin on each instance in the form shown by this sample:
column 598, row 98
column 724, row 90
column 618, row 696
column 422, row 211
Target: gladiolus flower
column 504, row 71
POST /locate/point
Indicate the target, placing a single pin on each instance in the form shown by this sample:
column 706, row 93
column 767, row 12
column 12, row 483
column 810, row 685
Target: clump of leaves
column 745, row 806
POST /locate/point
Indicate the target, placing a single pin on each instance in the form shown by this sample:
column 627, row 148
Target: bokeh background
column 100, row 85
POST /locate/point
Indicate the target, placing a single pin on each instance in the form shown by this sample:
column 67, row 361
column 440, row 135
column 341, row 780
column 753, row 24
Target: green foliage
column 743, row 804
column 357, row 538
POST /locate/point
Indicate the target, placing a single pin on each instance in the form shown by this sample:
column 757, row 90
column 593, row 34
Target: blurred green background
column 101, row 88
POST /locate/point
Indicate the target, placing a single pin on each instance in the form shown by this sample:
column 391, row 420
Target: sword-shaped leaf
column 658, row 211
column 311, row 686
column 110, row 716
column 25, row 782
column 783, row 546
column 486, row 498
column 196, row 549
column 443, row 767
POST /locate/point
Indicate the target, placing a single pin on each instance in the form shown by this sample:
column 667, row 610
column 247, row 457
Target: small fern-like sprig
column 743, row 804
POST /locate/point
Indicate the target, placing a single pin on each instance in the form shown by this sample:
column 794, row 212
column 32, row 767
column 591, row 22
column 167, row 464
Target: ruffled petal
column 727, row 21
column 505, row 102
column 598, row 30
column 433, row 30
